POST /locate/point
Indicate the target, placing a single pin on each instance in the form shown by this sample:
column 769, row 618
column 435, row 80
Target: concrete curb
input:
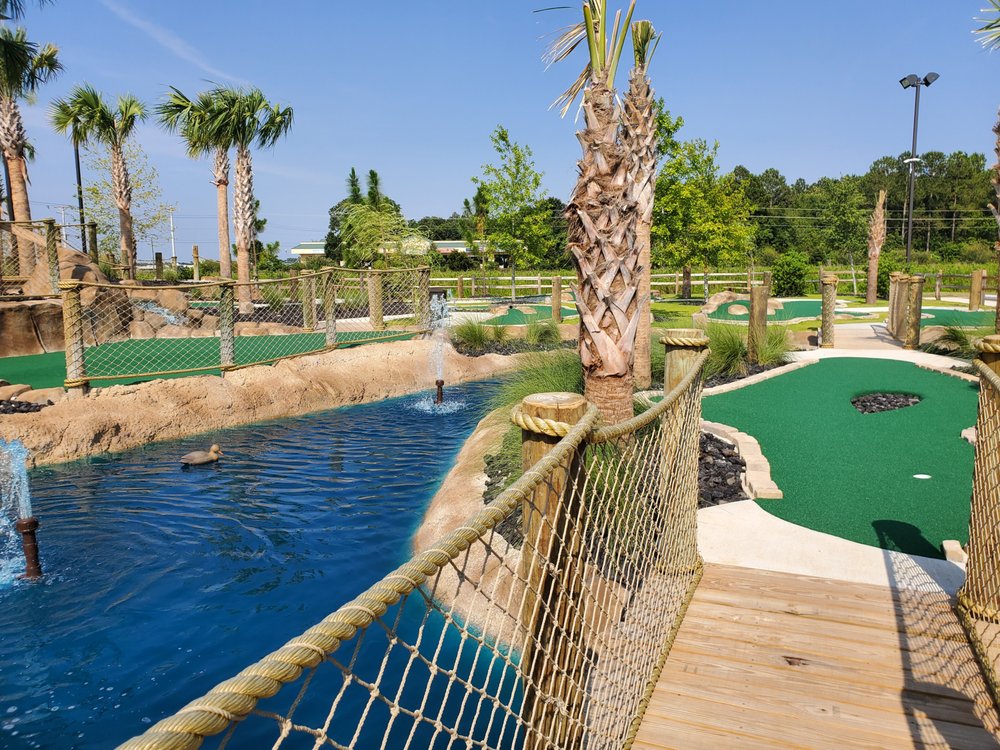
column 757, row 482
column 758, row 378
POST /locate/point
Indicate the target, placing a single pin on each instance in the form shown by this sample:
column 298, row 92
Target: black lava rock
column 719, row 470
column 872, row 403
column 20, row 407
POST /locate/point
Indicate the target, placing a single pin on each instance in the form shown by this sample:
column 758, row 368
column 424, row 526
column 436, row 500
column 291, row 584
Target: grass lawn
column 157, row 355
column 852, row 474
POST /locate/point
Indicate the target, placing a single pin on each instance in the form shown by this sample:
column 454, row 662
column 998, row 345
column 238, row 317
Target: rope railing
column 541, row 622
column 979, row 598
column 128, row 330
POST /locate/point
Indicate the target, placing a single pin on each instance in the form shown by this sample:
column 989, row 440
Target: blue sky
column 414, row 90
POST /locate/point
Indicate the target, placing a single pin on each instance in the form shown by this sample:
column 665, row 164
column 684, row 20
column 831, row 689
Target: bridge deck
column 775, row 660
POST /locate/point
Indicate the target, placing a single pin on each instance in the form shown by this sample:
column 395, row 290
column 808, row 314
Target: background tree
column 876, row 238
column 194, row 119
column 65, row 120
column 24, row 66
column 150, row 213
column 113, row 128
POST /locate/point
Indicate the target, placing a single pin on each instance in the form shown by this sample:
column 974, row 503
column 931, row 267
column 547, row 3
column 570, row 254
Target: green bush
column 472, row 334
column 499, row 334
column 542, row 332
column 888, row 263
column 789, row 274
column 730, row 355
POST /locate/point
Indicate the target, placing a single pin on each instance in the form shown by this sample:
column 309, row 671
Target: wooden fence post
column 553, row 676
column 914, row 307
column 557, row 299
column 686, row 283
column 76, row 381
column 195, row 264
column 309, row 302
column 375, row 300
column 52, row 252
column 829, row 283
column 937, row 285
column 92, row 248
column 227, row 325
column 705, row 283
column 902, row 302
column 975, row 290
column 158, row 261
column 460, row 287
column 757, row 328
column 890, row 317
column 681, row 349
column 330, row 308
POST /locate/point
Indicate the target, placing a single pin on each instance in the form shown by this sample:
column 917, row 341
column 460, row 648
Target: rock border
column 757, row 482
column 758, row 378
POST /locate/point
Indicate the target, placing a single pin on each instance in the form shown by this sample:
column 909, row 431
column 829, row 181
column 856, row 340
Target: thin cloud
column 169, row 41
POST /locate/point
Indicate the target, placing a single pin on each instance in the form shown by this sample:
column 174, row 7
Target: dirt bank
column 126, row 416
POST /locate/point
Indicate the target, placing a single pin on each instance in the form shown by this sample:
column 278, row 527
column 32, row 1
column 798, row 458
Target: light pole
column 911, row 81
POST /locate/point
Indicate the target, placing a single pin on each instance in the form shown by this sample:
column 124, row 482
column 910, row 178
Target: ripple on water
column 160, row 581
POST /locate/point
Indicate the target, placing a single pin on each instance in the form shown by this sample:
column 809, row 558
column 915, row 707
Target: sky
column 413, row 90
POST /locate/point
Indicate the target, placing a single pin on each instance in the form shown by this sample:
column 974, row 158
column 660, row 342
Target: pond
column 161, row 581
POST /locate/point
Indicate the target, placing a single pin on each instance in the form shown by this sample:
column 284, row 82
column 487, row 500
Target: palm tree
column 24, row 66
column 96, row 120
column 193, row 119
column 65, row 120
column 245, row 118
column 602, row 215
column 990, row 37
column 640, row 142
column 876, row 238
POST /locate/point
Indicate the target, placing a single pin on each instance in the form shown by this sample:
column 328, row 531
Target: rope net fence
column 23, row 250
column 979, row 598
column 127, row 330
column 541, row 622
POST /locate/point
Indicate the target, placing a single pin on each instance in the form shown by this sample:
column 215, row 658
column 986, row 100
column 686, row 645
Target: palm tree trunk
column 221, row 174
column 22, row 210
column 871, row 291
column 243, row 219
column 123, row 199
column 79, row 201
column 602, row 222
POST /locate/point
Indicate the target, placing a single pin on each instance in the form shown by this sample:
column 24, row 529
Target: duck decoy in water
column 197, row 458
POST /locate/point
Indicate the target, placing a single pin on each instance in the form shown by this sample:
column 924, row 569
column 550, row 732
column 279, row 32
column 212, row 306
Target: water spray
column 15, row 501
column 439, row 398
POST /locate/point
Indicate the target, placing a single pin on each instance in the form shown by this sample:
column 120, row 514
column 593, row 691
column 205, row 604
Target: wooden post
column 749, row 280
column 829, row 283
column 423, row 297
column 677, row 283
column 983, row 276
column 472, row 286
column 375, row 300
column 705, row 283
column 686, row 283
column 767, row 281
column 890, row 317
column 975, row 290
column 757, row 329
column 682, row 347
column 554, row 677
column 76, row 381
column 309, row 303
column 92, row 242
column 227, row 325
column 539, row 285
column 330, row 308
column 52, row 252
column 937, row 286
column 158, row 260
column 902, row 302
column 979, row 597
column 195, row 264
column 459, row 288
column 557, row 299
column 914, row 305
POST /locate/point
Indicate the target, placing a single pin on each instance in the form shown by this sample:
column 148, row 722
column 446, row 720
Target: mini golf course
column 160, row 355
column 792, row 309
column 516, row 317
column 851, row 474
column 957, row 318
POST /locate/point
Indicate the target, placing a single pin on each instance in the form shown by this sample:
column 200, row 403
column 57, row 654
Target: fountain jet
column 439, row 398
column 15, row 501
column 26, row 528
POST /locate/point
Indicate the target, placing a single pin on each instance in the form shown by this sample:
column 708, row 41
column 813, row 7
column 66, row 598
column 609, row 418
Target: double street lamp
column 912, row 81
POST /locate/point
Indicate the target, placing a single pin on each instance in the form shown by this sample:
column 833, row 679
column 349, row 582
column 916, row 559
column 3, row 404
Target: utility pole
column 173, row 249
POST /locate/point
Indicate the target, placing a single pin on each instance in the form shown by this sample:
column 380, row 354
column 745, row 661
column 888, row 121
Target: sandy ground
column 126, row 416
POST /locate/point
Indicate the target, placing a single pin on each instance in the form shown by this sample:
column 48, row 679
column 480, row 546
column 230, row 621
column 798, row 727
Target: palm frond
column 644, row 42
column 989, row 32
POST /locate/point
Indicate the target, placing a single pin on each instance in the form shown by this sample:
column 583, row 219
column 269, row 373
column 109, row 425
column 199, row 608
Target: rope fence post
column 682, row 347
column 893, row 290
column 914, row 308
column 550, row 668
column 557, row 299
column 195, row 264
column 375, row 300
column 95, row 254
column 976, row 290
column 309, row 303
column 829, row 283
column 76, row 382
column 423, row 295
column 52, row 252
column 902, row 302
column 757, row 328
column 227, row 325
column 330, row 309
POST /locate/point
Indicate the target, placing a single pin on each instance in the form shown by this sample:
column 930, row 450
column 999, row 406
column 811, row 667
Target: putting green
column 852, row 474
column 515, row 317
column 957, row 318
column 795, row 308
column 158, row 355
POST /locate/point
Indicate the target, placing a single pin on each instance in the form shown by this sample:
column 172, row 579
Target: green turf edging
column 851, row 474
column 957, row 318
column 515, row 317
column 790, row 310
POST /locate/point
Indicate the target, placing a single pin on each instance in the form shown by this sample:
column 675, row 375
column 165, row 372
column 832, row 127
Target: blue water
column 160, row 582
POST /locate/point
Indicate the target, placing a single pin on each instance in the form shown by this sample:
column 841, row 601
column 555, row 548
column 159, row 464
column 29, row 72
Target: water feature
column 440, row 319
column 16, row 520
column 162, row 582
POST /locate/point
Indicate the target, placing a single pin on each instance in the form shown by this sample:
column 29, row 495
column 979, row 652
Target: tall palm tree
column 245, row 118
column 876, row 238
column 989, row 35
column 602, row 214
column 193, row 118
column 24, row 66
column 639, row 139
column 65, row 120
column 97, row 121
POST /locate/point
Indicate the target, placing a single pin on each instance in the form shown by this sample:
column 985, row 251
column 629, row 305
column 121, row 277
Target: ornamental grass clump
column 542, row 332
column 471, row 334
column 730, row 357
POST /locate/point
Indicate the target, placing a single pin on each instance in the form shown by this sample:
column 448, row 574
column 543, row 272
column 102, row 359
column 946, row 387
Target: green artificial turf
column 797, row 308
column 158, row 355
column 958, row 318
column 515, row 317
column 851, row 474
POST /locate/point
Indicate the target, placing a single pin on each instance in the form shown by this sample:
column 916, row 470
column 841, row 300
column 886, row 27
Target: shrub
column 542, row 332
column 730, row 355
column 108, row 270
column 208, row 267
column 544, row 373
column 888, row 263
column 499, row 334
column 472, row 334
column 957, row 342
column 789, row 274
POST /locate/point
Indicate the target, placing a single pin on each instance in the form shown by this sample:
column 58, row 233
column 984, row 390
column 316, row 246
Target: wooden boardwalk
column 775, row 660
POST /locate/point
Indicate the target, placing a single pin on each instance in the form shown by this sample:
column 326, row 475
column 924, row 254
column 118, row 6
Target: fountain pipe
column 26, row 528
column 439, row 399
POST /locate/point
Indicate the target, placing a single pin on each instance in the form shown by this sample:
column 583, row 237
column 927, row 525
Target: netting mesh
column 22, row 250
column 979, row 598
column 128, row 330
column 544, row 633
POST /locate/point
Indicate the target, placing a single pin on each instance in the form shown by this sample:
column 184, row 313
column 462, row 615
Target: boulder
column 721, row 298
column 173, row 300
column 173, row 332
column 210, row 323
column 48, row 320
column 154, row 320
column 738, row 310
column 31, row 327
column 72, row 265
column 10, row 391
column 42, row 396
column 140, row 329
